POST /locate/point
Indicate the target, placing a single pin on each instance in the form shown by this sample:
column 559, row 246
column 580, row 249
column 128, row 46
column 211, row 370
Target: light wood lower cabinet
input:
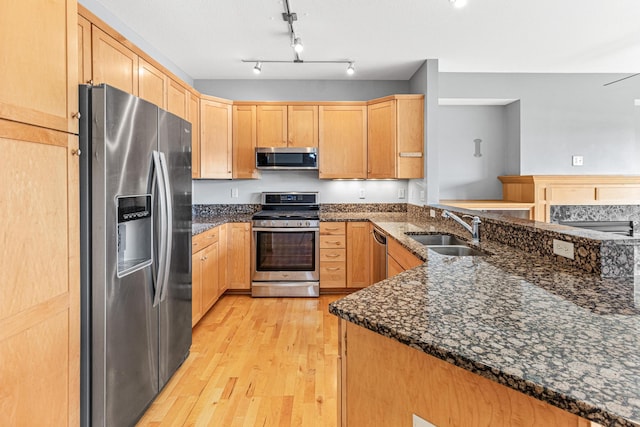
column 205, row 278
column 399, row 259
column 409, row 381
column 239, row 256
column 333, row 259
column 358, row 254
column 39, row 276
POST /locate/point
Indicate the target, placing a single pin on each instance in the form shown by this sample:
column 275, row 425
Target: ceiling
column 388, row 39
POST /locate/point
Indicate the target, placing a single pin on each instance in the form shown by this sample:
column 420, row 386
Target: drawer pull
column 332, row 228
column 332, row 255
column 333, row 268
column 334, row 242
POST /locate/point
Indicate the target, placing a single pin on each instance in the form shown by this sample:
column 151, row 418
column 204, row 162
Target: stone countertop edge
column 200, row 225
column 591, row 396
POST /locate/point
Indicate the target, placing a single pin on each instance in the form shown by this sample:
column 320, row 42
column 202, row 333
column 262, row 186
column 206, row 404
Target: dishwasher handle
column 379, row 236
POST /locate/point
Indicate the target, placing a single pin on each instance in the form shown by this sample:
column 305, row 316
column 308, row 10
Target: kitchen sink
column 437, row 239
column 457, row 250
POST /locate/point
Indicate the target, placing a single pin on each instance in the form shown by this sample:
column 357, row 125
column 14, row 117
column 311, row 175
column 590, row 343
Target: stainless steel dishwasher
column 379, row 260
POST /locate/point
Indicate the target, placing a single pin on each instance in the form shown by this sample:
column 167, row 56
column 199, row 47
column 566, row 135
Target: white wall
column 330, row 191
column 563, row 115
column 462, row 175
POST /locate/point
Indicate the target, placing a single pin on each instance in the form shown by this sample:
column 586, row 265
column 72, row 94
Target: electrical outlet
column 432, row 213
column 577, row 160
column 562, row 248
column 361, row 193
column 234, row 193
column 400, row 193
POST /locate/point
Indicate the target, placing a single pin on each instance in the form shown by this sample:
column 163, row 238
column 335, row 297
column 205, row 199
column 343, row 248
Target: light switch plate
column 577, row 160
column 361, row 193
column 401, row 193
column 562, row 248
column 234, row 193
column 422, row 195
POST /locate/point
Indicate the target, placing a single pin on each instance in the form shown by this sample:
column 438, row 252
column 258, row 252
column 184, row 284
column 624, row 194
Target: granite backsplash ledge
column 594, row 252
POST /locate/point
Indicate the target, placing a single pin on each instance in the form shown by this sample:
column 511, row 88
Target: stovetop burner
column 283, row 214
column 288, row 210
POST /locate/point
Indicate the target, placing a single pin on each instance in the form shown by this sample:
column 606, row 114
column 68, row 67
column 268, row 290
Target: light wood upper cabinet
column 193, row 115
column 39, row 64
column 152, row 84
column 244, row 142
column 215, row 139
column 358, row 252
column 113, row 63
column 40, row 276
column 272, row 126
column 343, row 141
column 239, row 256
column 287, row 125
column 177, row 99
column 84, row 51
column 396, row 137
column 302, row 125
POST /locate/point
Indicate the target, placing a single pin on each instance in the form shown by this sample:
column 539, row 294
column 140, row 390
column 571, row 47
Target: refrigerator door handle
column 159, row 180
column 169, row 227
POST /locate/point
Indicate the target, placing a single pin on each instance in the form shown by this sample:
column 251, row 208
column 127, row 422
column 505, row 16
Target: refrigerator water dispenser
column 135, row 231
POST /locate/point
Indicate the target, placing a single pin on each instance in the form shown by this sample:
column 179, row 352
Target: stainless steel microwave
column 290, row 158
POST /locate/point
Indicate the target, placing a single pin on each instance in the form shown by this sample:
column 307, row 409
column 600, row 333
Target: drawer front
column 333, row 255
column 332, row 228
column 333, row 274
column 202, row 240
column 333, row 242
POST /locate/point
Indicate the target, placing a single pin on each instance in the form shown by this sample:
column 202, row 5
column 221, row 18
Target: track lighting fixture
column 298, row 47
column 458, row 3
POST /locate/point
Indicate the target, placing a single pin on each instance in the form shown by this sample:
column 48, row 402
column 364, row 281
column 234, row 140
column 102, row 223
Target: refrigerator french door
column 135, row 179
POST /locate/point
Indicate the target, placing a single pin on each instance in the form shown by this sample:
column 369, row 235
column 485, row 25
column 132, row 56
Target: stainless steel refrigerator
column 135, row 179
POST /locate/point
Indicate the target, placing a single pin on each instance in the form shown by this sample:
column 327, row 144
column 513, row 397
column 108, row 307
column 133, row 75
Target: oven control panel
column 287, row 223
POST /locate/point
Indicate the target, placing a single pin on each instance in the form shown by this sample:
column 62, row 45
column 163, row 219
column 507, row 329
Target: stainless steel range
column 286, row 246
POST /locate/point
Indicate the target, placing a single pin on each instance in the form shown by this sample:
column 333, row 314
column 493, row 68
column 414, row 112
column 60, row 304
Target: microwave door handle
column 169, row 227
column 161, row 185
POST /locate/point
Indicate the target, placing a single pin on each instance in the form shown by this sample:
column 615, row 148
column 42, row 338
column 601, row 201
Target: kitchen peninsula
column 504, row 339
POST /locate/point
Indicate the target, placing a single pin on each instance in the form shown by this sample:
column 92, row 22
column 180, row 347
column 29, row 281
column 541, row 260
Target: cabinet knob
column 76, row 115
column 76, row 152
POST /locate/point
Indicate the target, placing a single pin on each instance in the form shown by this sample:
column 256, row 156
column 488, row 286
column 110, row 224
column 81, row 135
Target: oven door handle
column 286, row 229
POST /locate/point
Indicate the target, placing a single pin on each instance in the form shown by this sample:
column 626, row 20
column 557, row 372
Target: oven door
column 285, row 254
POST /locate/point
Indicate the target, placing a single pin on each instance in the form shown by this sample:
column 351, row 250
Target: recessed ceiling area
column 388, row 39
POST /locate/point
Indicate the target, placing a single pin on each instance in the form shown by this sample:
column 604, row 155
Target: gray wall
column 301, row 90
column 462, row 175
column 563, row 115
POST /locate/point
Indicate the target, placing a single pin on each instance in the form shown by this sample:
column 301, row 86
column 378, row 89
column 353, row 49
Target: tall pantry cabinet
column 39, row 231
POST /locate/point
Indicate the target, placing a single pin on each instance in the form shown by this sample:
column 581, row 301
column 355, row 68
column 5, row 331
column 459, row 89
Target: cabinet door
column 223, row 252
column 410, row 134
column 272, row 126
column 38, row 63
column 210, row 276
column 177, row 99
column 39, row 273
column 113, row 63
column 84, row 50
column 358, row 251
column 152, row 84
column 382, row 140
column 239, row 256
column 215, row 139
column 343, row 141
column 302, row 125
column 197, row 261
column 393, row 267
column 244, row 142
column 193, row 113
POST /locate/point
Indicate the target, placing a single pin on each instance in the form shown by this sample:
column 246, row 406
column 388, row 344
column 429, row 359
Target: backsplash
column 596, row 253
column 598, row 213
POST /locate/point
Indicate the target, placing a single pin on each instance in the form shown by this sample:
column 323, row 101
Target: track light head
column 258, row 68
column 351, row 69
column 297, row 45
column 458, row 3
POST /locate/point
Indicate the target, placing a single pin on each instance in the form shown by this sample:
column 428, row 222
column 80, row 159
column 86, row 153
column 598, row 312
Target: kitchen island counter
column 567, row 338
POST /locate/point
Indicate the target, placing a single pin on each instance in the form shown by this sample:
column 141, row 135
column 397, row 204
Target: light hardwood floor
column 256, row 362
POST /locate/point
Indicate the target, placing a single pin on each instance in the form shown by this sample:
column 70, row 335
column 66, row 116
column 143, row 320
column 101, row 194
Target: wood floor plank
column 256, row 362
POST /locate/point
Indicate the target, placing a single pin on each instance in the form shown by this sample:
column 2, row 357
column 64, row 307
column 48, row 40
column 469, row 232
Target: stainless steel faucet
column 473, row 228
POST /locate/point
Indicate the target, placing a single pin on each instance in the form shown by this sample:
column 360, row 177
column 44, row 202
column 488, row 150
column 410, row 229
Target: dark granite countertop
column 201, row 224
column 552, row 332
